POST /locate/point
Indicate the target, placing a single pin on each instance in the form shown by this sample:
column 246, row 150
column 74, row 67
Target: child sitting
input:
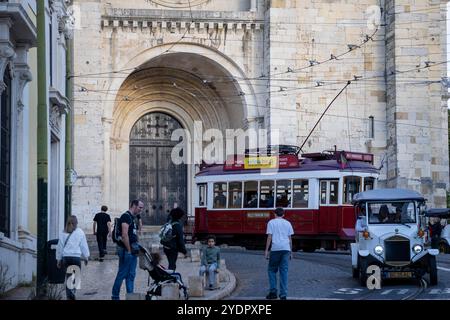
column 210, row 262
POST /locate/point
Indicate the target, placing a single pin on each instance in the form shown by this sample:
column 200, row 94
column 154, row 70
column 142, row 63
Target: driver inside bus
column 383, row 215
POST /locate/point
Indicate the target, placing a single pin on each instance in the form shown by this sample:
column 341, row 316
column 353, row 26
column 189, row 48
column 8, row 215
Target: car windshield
column 391, row 212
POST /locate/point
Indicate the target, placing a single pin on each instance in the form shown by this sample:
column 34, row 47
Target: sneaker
column 271, row 296
column 210, row 287
column 283, row 298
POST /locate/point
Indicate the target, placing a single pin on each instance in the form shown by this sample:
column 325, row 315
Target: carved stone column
column 22, row 73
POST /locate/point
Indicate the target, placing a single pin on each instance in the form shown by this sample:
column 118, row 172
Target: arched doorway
column 154, row 178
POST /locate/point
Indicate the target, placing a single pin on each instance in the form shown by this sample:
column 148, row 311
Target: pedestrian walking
column 176, row 244
column 102, row 228
column 71, row 249
column 127, row 250
column 279, row 232
column 210, row 262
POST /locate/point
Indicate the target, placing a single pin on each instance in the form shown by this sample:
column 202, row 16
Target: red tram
column 235, row 200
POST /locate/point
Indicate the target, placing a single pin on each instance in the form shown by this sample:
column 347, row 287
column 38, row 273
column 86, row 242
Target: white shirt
column 76, row 246
column 360, row 224
column 280, row 229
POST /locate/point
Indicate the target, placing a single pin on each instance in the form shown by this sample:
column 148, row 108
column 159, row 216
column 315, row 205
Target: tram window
column 300, row 194
column 235, row 194
column 368, row 183
column 283, row 198
column 250, row 194
column 334, row 186
column 202, row 195
column 266, row 198
column 352, row 185
column 220, row 198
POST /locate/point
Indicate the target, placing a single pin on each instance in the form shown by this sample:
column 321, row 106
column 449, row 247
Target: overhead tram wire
column 328, row 107
column 332, row 57
column 317, row 23
column 429, row 65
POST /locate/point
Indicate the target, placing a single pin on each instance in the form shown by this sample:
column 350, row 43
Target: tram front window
column 368, row 183
column 220, row 198
column 283, row 193
column 266, row 189
column 352, row 185
column 250, row 194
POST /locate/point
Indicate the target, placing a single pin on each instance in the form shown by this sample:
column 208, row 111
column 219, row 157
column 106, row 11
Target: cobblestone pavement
column 98, row 277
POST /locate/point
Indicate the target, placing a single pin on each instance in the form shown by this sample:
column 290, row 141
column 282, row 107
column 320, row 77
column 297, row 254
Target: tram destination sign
column 269, row 162
column 258, row 214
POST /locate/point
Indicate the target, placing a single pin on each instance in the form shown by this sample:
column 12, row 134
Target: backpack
column 166, row 233
column 116, row 235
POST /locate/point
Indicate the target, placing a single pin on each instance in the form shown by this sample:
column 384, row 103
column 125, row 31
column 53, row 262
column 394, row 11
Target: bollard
column 195, row 255
column 196, row 284
column 170, row 291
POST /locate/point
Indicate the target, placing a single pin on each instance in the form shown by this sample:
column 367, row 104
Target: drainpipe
column 69, row 130
column 42, row 153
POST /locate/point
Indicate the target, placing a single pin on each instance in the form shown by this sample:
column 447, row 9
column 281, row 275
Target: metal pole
column 42, row 154
column 69, row 130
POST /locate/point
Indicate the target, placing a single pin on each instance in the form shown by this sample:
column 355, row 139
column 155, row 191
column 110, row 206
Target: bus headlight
column 378, row 250
column 417, row 249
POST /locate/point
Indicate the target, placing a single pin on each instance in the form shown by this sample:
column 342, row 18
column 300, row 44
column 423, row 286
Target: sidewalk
column 98, row 278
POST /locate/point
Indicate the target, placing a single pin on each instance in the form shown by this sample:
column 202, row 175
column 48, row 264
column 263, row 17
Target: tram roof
column 306, row 165
column 387, row 195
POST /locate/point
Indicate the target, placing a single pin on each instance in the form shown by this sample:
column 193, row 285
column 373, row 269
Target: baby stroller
column 159, row 276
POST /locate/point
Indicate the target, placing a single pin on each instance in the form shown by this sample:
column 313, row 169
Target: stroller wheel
column 185, row 293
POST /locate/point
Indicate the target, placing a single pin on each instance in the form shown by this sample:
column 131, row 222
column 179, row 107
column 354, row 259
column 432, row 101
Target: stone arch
column 251, row 111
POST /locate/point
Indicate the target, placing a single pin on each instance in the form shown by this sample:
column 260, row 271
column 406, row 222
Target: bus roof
column 306, row 165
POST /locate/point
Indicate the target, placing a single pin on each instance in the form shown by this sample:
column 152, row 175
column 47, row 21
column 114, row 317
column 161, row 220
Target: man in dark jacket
column 102, row 227
column 176, row 244
column 435, row 232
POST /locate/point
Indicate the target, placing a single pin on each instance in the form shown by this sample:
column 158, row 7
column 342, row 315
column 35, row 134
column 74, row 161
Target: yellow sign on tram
column 260, row 163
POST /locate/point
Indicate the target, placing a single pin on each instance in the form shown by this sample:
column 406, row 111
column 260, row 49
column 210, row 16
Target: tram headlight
column 378, row 250
column 417, row 249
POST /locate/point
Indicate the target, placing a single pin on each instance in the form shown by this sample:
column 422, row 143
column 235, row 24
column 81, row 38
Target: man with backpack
column 172, row 237
column 126, row 248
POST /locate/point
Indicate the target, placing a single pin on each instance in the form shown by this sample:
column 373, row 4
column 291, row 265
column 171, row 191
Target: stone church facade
column 144, row 68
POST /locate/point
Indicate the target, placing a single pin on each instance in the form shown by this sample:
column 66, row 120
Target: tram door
column 328, row 218
column 154, row 178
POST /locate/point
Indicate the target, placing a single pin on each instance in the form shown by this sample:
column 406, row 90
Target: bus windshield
column 392, row 212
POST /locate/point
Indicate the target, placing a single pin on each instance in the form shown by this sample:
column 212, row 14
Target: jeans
column 101, row 241
column 70, row 261
column 211, row 270
column 279, row 260
column 172, row 256
column 127, row 271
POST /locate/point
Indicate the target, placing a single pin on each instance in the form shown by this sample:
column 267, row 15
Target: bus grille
column 397, row 250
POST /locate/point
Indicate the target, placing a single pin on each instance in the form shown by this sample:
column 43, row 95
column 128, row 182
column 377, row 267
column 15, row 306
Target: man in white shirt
column 279, row 232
